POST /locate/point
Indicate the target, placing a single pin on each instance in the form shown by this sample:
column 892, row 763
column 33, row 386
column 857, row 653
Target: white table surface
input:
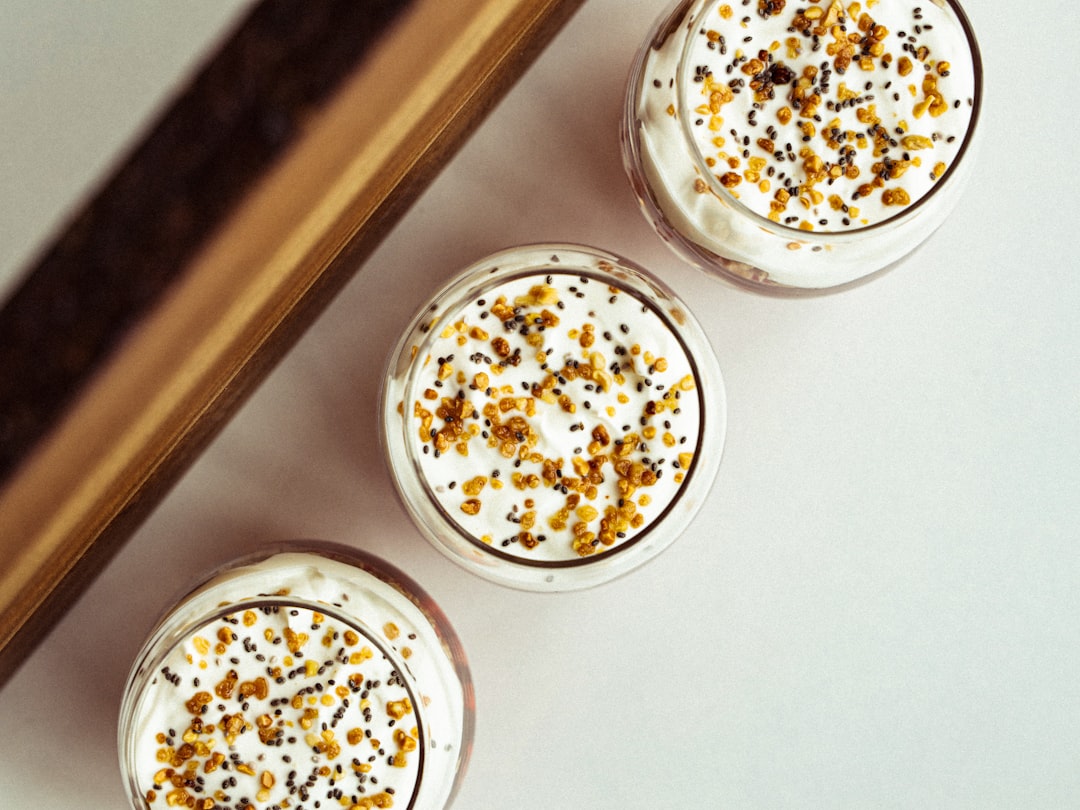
column 878, row 607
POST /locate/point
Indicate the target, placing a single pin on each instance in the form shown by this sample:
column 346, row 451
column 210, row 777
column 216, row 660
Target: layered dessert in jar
column 802, row 146
column 309, row 676
column 554, row 417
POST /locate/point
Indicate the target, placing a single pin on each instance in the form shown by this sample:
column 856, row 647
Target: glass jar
column 795, row 148
column 553, row 417
column 308, row 673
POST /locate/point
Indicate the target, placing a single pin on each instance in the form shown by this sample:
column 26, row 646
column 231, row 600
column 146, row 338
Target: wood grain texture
column 248, row 292
column 138, row 232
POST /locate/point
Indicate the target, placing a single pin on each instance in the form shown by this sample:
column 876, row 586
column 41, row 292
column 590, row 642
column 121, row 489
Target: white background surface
column 878, row 607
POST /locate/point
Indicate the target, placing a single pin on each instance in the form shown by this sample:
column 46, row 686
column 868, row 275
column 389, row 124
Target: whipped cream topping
column 283, row 699
column 556, row 417
column 826, row 116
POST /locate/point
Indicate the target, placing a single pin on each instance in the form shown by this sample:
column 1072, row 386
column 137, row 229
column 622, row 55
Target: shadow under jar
column 307, row 675
column 553, row 418
column 802, row 147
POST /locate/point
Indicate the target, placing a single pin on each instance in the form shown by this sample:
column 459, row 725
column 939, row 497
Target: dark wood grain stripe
column 128, row 243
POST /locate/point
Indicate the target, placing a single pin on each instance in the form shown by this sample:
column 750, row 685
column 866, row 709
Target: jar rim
column 506, row 266
column 444, row 668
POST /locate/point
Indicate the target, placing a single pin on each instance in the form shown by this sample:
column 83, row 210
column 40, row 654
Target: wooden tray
column 347, row 158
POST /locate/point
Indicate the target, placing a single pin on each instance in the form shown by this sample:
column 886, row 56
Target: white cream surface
column 860, row 115
column 286, row 705
column 555, row 417
column 818, row 151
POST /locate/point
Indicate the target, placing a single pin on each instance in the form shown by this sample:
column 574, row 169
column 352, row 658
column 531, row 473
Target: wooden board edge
column 154, row 406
